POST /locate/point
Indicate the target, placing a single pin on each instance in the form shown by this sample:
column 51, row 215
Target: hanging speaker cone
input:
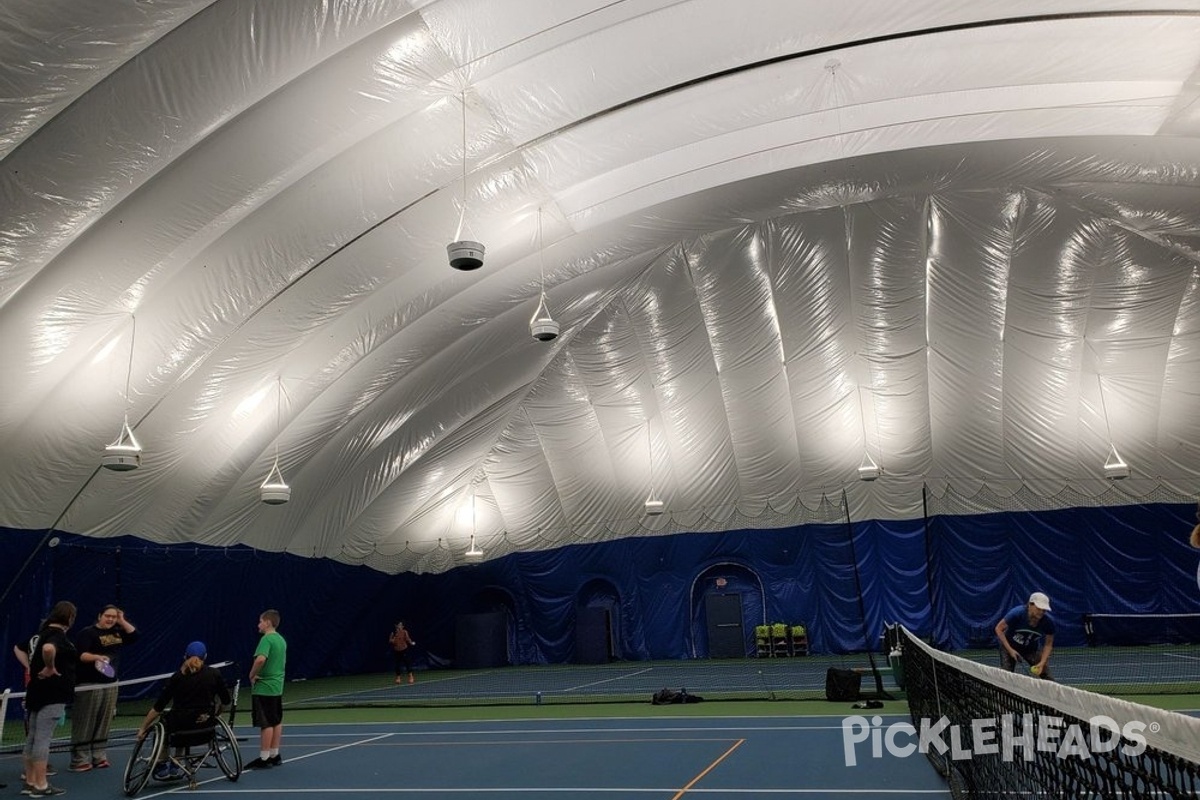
column 465, row 255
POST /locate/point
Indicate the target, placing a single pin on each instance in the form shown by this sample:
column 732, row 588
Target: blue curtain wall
column 947, row 578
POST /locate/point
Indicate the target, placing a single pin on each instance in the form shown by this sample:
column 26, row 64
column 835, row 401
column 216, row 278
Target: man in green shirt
column 266, row 681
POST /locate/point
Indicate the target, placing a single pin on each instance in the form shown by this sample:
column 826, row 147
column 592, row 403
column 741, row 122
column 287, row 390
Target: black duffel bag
column 842, row 684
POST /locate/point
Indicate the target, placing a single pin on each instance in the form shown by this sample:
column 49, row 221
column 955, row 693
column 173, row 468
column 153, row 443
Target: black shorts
column 266, row 711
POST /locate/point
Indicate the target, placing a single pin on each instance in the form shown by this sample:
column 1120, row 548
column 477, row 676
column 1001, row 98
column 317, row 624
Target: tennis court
column 1110, row 670
column 669, row 757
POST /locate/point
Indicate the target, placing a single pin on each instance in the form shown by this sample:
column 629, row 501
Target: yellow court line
column 708, row 769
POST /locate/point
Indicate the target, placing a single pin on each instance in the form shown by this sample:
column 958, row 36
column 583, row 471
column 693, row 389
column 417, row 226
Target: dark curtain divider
column 1132, row 559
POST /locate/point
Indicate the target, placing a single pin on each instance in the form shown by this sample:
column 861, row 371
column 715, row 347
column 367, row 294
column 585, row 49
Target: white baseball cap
column 1040, row 600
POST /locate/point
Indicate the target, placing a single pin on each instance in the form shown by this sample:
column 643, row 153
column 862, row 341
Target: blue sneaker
column 167, row 771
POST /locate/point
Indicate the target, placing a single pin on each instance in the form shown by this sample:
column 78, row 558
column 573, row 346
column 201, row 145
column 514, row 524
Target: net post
column 237, row 685
column 4, row 710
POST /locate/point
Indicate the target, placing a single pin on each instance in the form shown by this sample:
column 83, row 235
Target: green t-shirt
column 270, row 677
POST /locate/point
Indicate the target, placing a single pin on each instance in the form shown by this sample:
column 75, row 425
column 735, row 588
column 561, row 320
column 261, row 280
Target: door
column 726, row 638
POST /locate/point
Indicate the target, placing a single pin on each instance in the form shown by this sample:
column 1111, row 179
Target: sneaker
column 26, row 788
column 101, row 764
column 275, row 760
column 257, row 763
column 50, row 791
column 163, row 772
column 82, row 766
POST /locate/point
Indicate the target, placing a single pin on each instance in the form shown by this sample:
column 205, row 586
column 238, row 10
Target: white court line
column 478, row 791
column 834, row 725
column 379, row 690
column 184, row 785
column 606, row 680
column 1181, row 655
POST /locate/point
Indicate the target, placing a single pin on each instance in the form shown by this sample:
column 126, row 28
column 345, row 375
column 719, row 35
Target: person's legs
column 85, row 714
column 37, row 744
column 107, row 709
column 267, row 713
column 1007, row 662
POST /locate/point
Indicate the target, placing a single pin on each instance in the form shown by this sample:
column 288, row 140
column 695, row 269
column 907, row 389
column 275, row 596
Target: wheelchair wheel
column 225, row 748
column 145, row 755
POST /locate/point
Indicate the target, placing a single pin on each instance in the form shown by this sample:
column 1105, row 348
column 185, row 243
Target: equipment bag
column 842, row 684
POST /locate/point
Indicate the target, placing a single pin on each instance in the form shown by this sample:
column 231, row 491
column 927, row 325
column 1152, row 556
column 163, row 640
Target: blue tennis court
column 1113, row 670
column 663, row 758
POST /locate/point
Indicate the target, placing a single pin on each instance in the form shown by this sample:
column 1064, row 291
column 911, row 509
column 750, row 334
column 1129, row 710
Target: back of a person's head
column 271, row 616
column 63, row 613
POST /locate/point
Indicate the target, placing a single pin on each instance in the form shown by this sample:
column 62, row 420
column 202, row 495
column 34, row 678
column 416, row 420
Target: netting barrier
column 135, row 696
column 996, row 734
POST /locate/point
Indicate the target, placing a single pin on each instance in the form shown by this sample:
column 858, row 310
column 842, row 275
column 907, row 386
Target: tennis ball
column 1035, row 669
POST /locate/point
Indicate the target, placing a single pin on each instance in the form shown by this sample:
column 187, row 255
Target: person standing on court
column 1027, row 633
column 52, row 663
column 401, row 641
column 266, row 693
column 99, row 648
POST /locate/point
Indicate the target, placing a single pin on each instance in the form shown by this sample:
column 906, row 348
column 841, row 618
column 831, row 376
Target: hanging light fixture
column 542, row 326
column 274, row 491
column 465, row 254
column 473, row 551
column 868, row 470
column 125, row 453
column 1115, row 467
column 654, row 505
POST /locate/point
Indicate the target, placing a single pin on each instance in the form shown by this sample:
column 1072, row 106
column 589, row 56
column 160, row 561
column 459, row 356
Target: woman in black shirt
column 52, row 662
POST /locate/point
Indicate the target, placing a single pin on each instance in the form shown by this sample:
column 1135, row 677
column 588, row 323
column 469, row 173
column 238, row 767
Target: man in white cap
column 1026, row 633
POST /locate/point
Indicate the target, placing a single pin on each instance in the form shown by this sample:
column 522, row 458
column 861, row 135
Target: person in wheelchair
column 195, row 695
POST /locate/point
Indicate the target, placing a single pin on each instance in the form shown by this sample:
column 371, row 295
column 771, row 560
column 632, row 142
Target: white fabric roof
column 961, row 238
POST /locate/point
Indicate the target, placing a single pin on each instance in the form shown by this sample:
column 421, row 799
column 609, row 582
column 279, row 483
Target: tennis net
column 996, row 734
column 134, row 698
column 1130, row 630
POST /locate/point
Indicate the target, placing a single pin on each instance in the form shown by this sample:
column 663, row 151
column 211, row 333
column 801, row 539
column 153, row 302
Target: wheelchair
column 213, row 746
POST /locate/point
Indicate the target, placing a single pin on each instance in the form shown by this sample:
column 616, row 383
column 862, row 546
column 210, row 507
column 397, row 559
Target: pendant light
column 274, row 491
column 868, row 470
column 542, row 326
column 473, row 551
column 125, row 453
column 465, row 254
column 654, row 505
column 1115, row 468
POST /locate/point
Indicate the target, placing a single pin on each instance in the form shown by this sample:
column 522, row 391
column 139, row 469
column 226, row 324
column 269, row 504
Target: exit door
column 726, row 639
